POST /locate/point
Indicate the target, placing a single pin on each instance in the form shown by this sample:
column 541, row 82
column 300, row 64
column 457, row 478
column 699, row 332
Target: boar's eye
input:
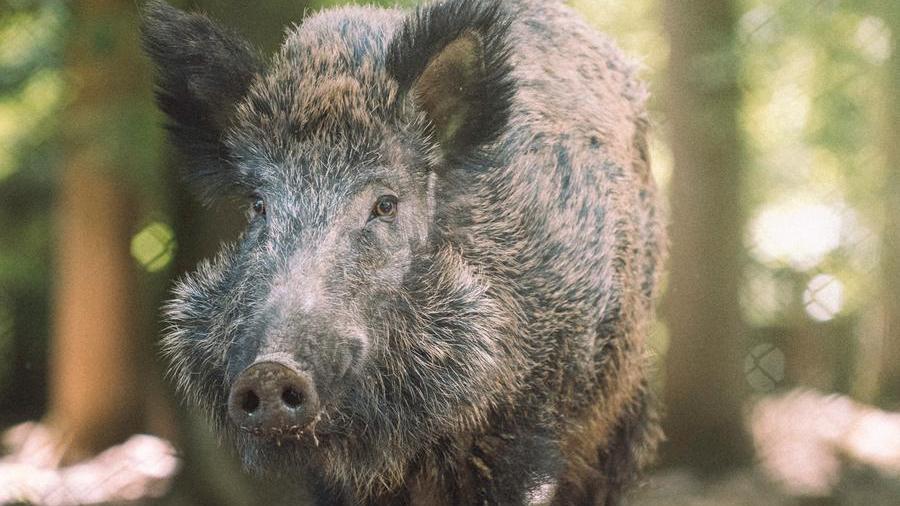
column 385, row 208
column 259, row 206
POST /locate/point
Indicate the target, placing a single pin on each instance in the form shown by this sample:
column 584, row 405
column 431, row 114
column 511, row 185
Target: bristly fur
column 431, row 29
column 486, row 346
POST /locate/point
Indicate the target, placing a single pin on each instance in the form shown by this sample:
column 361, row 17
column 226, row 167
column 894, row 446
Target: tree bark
column 704, row 380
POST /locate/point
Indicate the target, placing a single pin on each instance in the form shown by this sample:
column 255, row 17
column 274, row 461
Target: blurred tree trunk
column 890, row 253
column 95, row 389
column 704, row 379
column 96, row 358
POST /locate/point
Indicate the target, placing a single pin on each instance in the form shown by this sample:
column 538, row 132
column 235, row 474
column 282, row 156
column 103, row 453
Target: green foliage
column 812, row 92
column 32, row 93
column 30, row 35
column 31, row 87
column 813, row 96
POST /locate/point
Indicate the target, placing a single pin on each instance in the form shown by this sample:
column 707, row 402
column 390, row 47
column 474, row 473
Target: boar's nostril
column 291, row 398
column 272, row 398
column 249, row 402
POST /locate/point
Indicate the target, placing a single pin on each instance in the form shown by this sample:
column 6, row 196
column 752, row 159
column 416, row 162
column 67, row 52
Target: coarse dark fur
column 487, row 345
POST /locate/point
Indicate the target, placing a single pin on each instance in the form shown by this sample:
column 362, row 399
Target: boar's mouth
column 289, row 435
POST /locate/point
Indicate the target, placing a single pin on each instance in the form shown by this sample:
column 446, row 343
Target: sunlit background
column 807, row 373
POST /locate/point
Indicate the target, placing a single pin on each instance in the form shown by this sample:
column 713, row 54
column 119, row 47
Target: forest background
column 775, row 141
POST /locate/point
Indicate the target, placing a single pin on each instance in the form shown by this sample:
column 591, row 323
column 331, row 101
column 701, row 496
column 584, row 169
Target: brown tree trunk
column 96, row 395
column 704, row 379
column 95, row 391
column 890, row 252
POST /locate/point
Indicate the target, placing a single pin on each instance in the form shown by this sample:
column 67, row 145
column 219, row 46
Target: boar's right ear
column 452, row 56
column 202, row 72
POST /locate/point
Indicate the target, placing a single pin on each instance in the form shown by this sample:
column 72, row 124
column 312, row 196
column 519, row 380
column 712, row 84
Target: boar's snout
column 273, row 399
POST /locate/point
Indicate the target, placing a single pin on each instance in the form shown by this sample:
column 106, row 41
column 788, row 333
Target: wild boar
column 452, row 249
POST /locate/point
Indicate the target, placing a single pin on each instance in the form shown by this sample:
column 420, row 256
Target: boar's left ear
column 452, row 56
column 203, row 71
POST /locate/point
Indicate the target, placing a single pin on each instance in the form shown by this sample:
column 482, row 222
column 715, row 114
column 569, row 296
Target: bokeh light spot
column 764, row 367
column 873, row 39
column 154, row 246
column 823, row 297
column 764, row 297
column 800, row 234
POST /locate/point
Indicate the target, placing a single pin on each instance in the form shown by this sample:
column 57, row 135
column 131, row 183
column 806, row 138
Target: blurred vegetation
column 31, row 96
column 815, row 191
column 816, row 98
